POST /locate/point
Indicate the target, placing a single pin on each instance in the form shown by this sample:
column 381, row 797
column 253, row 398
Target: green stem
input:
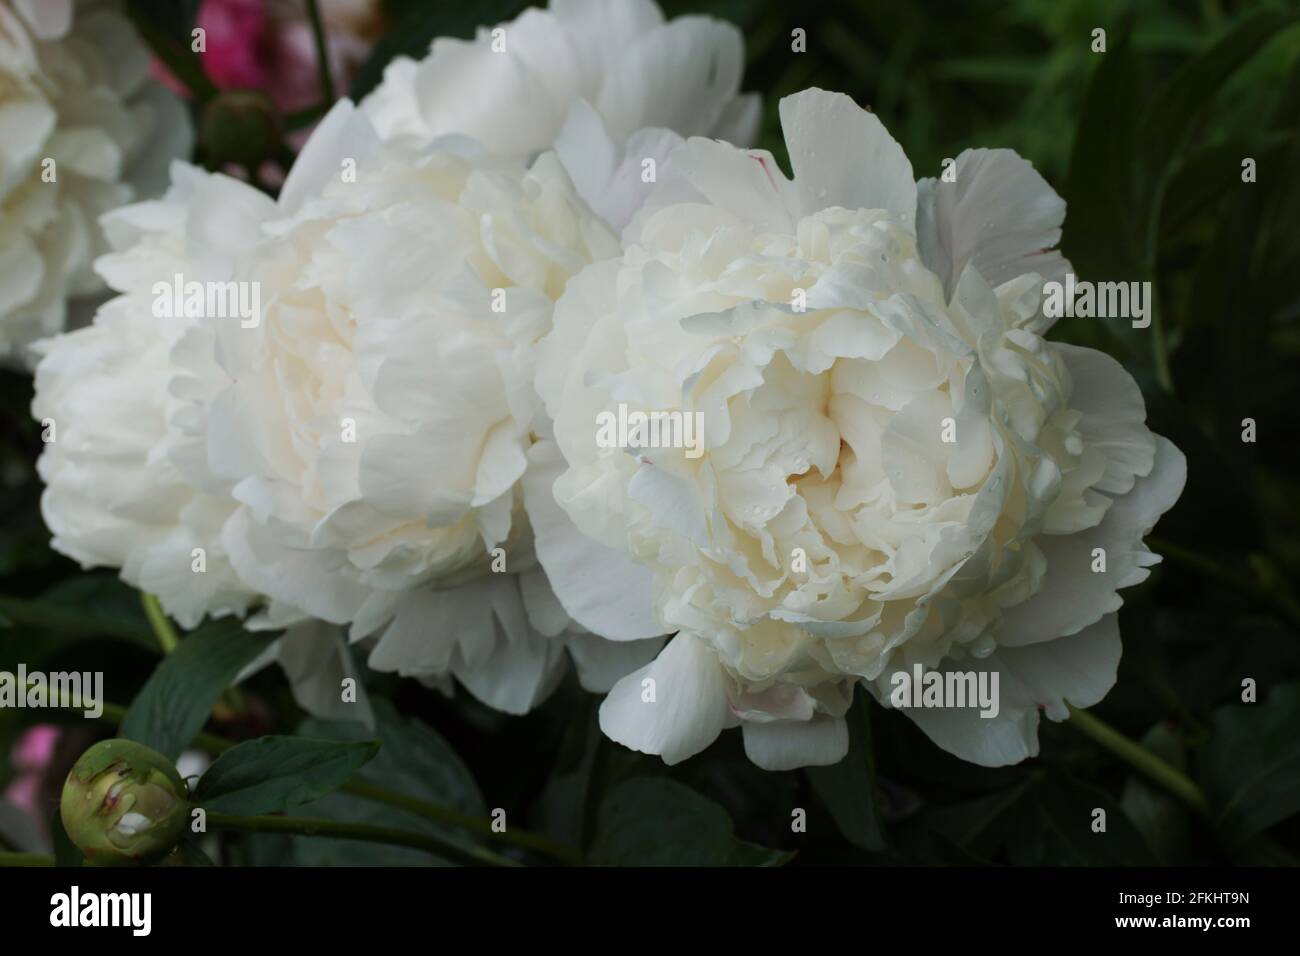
column 162, row 628
column 322, row 51
column 25, row 859
column 525, row 839
column 318, row 826
column 440, row 814
column 1140, row 759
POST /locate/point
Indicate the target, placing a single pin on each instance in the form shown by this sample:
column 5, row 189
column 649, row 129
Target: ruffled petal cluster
column 894, row 467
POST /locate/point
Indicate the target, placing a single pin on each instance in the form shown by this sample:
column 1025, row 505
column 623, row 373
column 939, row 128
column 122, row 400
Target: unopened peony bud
column 240, row 126
column 123, row 804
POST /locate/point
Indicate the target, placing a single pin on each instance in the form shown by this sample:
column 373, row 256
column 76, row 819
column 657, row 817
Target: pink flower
column 268, row 45
column 31, row 755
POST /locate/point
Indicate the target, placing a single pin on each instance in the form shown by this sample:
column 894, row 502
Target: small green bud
column 240, row 126
column 123, row 804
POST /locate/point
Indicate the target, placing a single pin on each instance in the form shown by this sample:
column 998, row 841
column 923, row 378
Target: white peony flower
column 374, row 427
column 831, row 333
column 350, row 454
column 122, row 487
column 123, row 402
column 82, row 131
column 512, row 87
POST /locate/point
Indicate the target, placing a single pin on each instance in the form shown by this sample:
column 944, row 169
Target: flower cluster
column 558, row 224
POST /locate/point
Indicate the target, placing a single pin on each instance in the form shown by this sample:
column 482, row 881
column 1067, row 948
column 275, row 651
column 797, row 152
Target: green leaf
column 414, row 760
column 848, row 788
column 87, row 605
column 1168, row 121
column 178, row 697
column 417, row 28
column 1054, row 828
column 1251, row 764
column 655, row 821
column 979, row 826
column 1103, row 235
column 272, row 774
column 1165, row 822
column 1210, row 171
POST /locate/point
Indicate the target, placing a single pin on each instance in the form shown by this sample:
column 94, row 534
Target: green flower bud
column 240, row 126
column 123, row 804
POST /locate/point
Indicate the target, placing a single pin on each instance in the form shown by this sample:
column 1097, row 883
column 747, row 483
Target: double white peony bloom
column 461, row 279
column 897, row 468
column 82, row 131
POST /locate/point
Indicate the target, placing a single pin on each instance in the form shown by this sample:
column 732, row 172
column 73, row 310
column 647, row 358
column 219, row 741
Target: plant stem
column 440, row 814
column 1140, row 759
column 162, row 628
column 113, row 713
column 322, row 51
column 318, row 826
column 524, row 839
column 25, row 859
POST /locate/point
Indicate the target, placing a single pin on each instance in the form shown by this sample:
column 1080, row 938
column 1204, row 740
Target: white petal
column 521, row 667
column 842, row 155
column 1072, row 595
column 674, row 502
column 316, row 661
column 1114, row 416
column 428, row 626
column 602, row 589
column 749, row 185
column 465, row 87
column 303, row 579
column 696, row 64
column 344, row 133
column 610, row 177
column 788, row 744
column 1079, row 669
column 601, row 664
column 689, row 707
column 1000, row 215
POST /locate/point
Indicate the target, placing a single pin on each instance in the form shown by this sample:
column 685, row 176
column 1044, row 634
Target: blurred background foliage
column 1146, row 142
